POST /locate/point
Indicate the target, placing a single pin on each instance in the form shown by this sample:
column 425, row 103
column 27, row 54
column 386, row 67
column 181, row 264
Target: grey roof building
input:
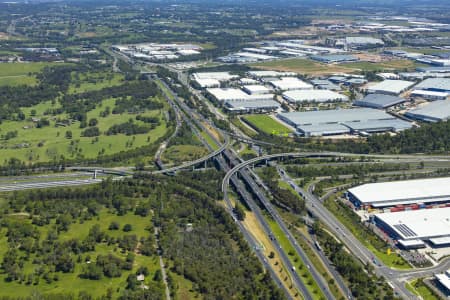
column 434, row 84
column 334, row 58
column 252, row 106
column 331, row 122
column 391, row 87
column 379, row 101
column 433, row 112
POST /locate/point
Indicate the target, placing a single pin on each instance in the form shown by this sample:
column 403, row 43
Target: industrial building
column 252, row 106
column 388, row 194
column 429, row 95
column 261, row 74
column 432, row 112
column 343, row 121
column 233, row 94
column 299, row 96
column 220, row 76
column 290, row 84
column 207, row 83
column 443, row 281
column 435, row 84
column 336, row 58
column 416, row 225
column 360, row 42
column 227, row 94
column 379, row 101
column 256, row 89
column 324, row 84
column 391, row 87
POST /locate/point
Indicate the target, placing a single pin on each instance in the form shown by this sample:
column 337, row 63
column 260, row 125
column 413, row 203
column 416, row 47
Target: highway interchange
column 229, row 162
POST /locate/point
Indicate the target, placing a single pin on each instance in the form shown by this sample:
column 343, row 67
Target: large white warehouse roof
column 418, row 224
column 313, row 95
column 291, row 83
column 403, row 192
column 221, row 76
column 392, row 87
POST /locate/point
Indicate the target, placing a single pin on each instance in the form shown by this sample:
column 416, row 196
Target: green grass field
column 267, row 125
column 94, row 81
column 54, row 144
column 301, row 66
column 420, row 289
column 182, row 153
column 309, row 67
column 388, row 65
column 19, row 73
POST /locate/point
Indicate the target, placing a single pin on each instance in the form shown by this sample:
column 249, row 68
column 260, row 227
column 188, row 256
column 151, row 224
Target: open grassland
column 417, row 287
column 71, row 281
column 309, row 67
column 302, row 66
column 266, row 124
column 398, row 64
column 91, row 81
column 182, row 153
column 49, row 143
column 20, row 73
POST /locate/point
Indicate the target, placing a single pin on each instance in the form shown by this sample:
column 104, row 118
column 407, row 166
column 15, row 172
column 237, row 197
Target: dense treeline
column 357, row 169
column 428, row 138
column 282, row 197
column 212, row 254
column 132, row 97
column 129, row 128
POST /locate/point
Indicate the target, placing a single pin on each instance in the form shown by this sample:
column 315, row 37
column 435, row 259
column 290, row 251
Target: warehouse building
column 388, row 194
column 379, row 101
column 429, row 95
column 360, row 42
column 206, row 83
column 227, row 94
column 413, row 225
column 432, row 112
column 261, row 74
column 290, row 84
column 343, row 121
column 252, row 106
column 256, row 89
column 391, row 87
column 233, row 94
column 299, row 96
column 443, row 281
column 324, row 84
column 220, row 76
column 435, row 84
column 328, row 59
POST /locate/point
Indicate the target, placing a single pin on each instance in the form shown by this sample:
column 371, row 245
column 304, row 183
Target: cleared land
column 48, row 143
column 302, row 66
column 266, row 124
column 20, row 73
column 309, row 67
column 181, row 153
